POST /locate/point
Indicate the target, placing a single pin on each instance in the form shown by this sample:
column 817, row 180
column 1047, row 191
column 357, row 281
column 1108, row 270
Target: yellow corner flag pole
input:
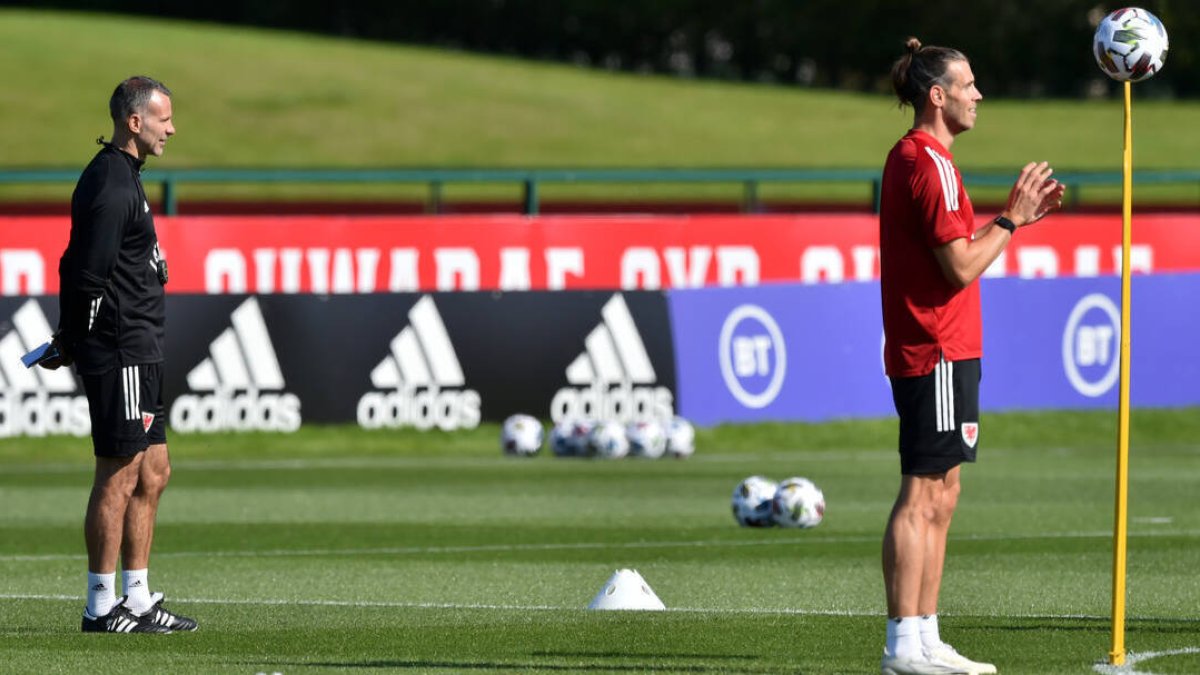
column 1117, row 655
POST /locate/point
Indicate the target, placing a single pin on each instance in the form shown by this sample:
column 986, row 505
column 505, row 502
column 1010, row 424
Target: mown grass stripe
column 781, row 611
column 584, row 546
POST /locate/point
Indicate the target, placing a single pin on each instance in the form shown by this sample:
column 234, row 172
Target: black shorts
column 126, row 407
column 939, row 417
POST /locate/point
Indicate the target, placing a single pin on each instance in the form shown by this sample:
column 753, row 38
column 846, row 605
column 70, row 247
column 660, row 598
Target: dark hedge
column 1017, row 47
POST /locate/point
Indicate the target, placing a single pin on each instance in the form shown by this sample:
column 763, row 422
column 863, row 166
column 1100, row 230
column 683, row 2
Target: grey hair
column 132, row 95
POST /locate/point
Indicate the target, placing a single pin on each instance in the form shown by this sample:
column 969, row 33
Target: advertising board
column 814, row 352
column 339, row 255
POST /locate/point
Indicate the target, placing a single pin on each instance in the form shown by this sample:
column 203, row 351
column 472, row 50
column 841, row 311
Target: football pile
column 761, row 502
column 523, row 435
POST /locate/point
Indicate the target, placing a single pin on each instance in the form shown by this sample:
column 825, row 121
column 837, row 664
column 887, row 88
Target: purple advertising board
column 814, row 352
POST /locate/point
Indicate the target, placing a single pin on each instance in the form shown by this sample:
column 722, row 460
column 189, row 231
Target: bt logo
column 1091, row 344
column 753, row 356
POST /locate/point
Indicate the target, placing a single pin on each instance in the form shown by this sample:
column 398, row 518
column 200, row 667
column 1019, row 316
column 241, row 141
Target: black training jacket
column 112, row 309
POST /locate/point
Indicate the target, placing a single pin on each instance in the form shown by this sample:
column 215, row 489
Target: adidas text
column 224, row 410
column 613, row 378
column 622, row 402
column 36, row 402
column 409, row 381
column 39, row 414
column 232, row 400
column 421, row 409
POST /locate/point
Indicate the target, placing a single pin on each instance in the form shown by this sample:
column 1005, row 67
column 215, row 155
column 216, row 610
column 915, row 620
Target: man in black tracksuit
column 111, row 326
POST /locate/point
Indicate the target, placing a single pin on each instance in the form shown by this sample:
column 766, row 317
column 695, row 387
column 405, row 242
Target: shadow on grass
column 421, row 664
column 1083, row 625
column 633, row 655
column 639, row 665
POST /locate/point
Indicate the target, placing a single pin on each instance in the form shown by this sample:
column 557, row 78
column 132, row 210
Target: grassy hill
column 268, row 98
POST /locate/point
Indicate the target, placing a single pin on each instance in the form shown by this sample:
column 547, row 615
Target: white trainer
column 944, row 653
column 894, row 665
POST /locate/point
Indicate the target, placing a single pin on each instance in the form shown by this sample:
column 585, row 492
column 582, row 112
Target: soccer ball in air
column 752, row 502
column 521, row 436
column 1130, row 44
column 798, row 502
column 569, row 438
column 608, row 440
column 681, row 438
column 646, row 439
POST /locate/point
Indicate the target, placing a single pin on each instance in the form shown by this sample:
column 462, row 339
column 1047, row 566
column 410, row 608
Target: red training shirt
column 923, row 206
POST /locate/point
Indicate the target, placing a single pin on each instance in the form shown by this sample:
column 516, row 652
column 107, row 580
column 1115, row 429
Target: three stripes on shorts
column 131, row 387
column 943, row 395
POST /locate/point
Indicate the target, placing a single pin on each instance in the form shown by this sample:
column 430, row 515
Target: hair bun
column 913, row 45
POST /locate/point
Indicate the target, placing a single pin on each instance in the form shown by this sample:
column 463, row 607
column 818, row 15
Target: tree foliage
column 1017, row 48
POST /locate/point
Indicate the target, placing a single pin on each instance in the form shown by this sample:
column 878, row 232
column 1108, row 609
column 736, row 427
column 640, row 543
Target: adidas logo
column 421, row 363
column 35, row 401
column 241, row 364
column 613, row 378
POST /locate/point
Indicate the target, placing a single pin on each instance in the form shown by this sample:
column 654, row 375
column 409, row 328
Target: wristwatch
column 1006, row 224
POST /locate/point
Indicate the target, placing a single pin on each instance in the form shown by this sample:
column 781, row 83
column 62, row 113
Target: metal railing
column 531, row 180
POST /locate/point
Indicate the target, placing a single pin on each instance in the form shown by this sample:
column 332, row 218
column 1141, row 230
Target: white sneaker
column 894, row 665
column 944, row 653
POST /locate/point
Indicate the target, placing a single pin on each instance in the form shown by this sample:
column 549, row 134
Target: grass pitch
column 342, row 550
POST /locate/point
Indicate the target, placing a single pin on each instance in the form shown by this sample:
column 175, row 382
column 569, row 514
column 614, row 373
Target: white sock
column 929, row 631
column 137, row 590
column 904, row 637
column 101, row 594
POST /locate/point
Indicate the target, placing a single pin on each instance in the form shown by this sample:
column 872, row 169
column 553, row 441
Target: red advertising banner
column 372, row 254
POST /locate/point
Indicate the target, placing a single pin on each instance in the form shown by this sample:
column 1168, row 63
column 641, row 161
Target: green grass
column 341, row 550
column 248, row 97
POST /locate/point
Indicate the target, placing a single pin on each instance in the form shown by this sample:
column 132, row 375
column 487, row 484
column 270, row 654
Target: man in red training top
column 931, row 258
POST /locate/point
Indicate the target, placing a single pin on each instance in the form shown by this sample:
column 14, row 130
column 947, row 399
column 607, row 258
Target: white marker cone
column 626, row 589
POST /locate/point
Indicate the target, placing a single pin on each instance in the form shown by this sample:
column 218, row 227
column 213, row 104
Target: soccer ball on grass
column 681, row 438
column 569, row 438
column 608, row 440
column 752, row 502
column 646, row 439
column 521, row 436
column 798, row 502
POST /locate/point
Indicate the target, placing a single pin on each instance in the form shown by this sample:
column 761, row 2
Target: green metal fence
column 532, row 179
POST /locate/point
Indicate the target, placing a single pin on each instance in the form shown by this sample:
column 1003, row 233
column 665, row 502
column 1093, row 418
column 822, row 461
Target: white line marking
column 578, row 546
column 1134, row 658
column 474, row 461
column 436, row 462
column 427, row 550
column 1154, row 520
column 271, row 602
column 778, row 611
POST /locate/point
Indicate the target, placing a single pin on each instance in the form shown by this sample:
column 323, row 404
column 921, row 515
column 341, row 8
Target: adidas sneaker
column 159, row 616
column 120, row 620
